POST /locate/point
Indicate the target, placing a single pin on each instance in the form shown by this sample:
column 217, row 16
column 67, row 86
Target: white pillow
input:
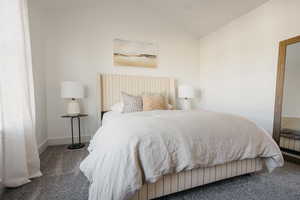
column 118, row 107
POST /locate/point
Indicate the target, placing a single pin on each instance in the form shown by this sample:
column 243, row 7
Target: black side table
column 78, row 145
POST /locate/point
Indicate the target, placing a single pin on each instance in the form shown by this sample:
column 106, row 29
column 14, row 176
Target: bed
column 137, row 174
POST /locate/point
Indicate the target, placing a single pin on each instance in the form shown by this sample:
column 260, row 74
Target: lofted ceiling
column 201, row 17
column 197, row 17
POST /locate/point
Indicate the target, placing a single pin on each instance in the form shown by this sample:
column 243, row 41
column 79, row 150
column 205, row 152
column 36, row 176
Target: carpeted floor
column 62, row 180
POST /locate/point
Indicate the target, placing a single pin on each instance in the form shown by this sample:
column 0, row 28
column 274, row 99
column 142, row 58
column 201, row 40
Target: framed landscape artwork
column 134, row 54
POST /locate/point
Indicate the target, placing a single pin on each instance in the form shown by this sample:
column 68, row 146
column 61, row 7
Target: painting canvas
column 135, row 54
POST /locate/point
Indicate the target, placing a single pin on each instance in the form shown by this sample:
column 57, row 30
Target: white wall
column 238, row 62
column 36, row 33
column 77, row 44
column 291, row 95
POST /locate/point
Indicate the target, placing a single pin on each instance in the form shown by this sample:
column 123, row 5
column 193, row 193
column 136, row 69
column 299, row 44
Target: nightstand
column 78, row 145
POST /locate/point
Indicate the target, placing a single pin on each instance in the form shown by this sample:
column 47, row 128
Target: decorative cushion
column 118, row 107
column 163, row 94
column 170, row 107
column 156, row 102
column 132, row 103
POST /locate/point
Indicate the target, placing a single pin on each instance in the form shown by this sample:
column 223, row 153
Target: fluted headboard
column 111, row 86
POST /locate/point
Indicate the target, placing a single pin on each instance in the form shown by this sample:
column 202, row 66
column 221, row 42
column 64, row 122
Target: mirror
column 287, row 103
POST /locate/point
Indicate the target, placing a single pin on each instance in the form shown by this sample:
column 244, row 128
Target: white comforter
column 130, row 149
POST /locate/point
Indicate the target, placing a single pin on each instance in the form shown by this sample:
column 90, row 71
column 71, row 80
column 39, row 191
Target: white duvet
column 131, row 149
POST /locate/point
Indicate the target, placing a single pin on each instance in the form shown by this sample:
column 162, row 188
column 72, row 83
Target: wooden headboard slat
column 111, row 86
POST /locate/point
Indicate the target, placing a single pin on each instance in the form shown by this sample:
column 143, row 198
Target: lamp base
column 186, row 105
column 73, row 107
column 76, row 146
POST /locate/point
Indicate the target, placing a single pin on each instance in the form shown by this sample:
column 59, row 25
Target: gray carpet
column 62, row 180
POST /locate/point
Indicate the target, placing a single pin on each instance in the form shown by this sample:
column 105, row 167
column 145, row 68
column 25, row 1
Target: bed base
column 178, row 182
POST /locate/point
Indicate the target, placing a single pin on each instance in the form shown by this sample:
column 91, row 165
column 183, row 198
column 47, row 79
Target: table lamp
column 187, row 93
column 72, row 91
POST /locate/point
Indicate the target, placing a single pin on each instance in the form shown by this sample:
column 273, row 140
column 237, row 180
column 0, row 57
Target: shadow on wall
column 197, row 99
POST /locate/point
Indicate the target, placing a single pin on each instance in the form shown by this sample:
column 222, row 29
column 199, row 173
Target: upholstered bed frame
column 110, row 87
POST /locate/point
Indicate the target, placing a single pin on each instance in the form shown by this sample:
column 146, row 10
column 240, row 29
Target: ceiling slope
column 201, row 17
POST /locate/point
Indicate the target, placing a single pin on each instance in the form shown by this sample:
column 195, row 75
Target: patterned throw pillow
column 156, row 102
column 132, row 103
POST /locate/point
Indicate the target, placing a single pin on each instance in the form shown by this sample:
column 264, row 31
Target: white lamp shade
column 186, row 91
column 72, row 90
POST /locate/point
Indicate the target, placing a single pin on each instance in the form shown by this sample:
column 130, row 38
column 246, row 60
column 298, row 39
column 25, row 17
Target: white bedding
column 132, row 148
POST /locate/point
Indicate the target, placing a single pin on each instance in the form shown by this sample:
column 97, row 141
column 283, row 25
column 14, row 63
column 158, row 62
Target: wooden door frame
column 280, row 85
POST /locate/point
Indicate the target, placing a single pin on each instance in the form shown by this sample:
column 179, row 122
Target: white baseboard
column 60, row 141
column 66, row 140
column 43, row 146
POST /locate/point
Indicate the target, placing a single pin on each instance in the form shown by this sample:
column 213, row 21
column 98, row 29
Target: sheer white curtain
column 20, row 159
